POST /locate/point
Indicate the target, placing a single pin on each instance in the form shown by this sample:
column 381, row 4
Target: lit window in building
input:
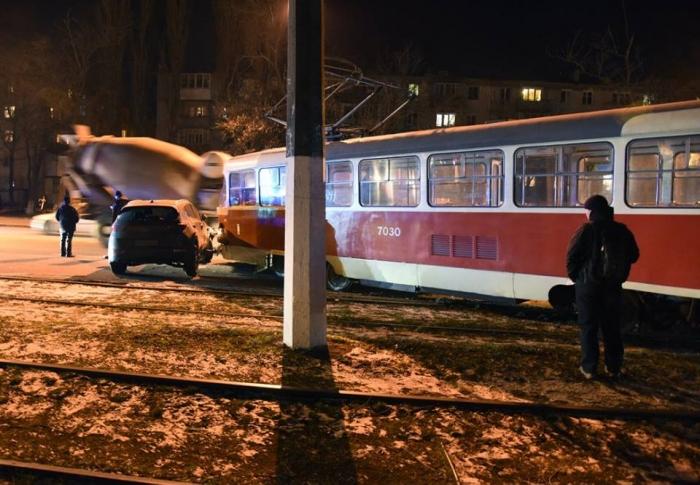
column 414, row 89
column 473, row 92
column 587, row 97
column 8, row 112
column 532, row 94
column 51, row 112
column 123, row 133
column 445, row 119
column 9, row 136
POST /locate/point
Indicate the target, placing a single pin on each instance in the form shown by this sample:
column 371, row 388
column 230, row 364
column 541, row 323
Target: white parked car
column 48, row 224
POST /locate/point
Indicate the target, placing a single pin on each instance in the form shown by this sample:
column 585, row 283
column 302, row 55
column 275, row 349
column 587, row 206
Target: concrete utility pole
column 305, row 219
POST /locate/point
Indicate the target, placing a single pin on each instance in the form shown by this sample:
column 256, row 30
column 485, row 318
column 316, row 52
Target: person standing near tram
column 598, row 261
column 119, row 202
column 68, row 218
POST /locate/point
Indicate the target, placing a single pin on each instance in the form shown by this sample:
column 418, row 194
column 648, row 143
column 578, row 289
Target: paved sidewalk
column 17, row 221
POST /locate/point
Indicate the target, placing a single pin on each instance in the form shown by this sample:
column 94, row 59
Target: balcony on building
column 195, row 86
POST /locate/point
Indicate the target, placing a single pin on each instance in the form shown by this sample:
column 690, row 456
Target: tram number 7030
column 388, row 231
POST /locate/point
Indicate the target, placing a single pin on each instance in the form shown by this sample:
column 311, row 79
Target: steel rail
column 333, row 320
column 653, row 341
column 342, row 322
column 83, row 475
column 349, row 297
column 116, row 306
column 276, row 392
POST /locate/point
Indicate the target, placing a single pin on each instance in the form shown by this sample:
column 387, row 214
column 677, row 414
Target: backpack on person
column 609, row 262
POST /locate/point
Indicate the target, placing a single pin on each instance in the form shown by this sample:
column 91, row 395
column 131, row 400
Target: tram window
column 562, row 175
column 339, row 184
column 241, row 188
column 273, row 185
column 594, row 177
column 390, row 182
column 664, row 172
column 466, row 179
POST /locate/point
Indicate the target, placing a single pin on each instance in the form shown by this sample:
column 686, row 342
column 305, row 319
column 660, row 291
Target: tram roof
column 574, row 126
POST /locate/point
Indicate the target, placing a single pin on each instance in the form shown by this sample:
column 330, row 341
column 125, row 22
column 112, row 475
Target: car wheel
column 118, row 267
column 278, row 266
column 191, row 263
column 208, row 254
column 336, row 282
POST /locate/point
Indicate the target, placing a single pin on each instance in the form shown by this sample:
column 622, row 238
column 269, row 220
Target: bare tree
column 611, row 57
column 91, row 49
column 252, row 63
column 32, row 99
column 140, row 50
column 252, row 35
column 172, row 55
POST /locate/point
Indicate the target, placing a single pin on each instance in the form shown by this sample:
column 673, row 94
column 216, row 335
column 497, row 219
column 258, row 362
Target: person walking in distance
column 119, row 202
column 598, row 261
column 68, row 218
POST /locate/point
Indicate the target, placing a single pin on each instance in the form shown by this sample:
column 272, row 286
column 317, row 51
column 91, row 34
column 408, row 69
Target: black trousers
column 66, row 243
column 599, row 309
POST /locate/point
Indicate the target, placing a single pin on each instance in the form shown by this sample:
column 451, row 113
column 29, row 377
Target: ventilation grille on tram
column 440, row 245
column 486, row 248
column 462, row 246
column 470, row 247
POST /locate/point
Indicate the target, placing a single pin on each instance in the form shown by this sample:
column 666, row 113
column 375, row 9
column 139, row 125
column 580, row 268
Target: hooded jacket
column 587, row 238
column 67, row 217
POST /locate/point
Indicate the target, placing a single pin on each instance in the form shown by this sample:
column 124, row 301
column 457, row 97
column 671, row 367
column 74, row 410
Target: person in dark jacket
column 598, row 260
column 68, row 218
column 119, row 202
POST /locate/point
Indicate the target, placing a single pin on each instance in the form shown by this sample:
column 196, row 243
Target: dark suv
column 162, row 232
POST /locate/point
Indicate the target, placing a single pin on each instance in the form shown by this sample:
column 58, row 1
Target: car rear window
column 148, row 214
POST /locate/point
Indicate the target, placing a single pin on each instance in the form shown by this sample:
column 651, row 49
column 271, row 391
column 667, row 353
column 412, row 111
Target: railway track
column 345, row 297
column 74, row 475
column 342, row 322
column 276, row 392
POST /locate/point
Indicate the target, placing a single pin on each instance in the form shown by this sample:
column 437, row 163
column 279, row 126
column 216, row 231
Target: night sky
column 495, row 38
column 507, row 38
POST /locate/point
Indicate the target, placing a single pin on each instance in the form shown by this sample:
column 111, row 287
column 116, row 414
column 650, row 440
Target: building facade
column 185, row 112
column 442, row 102
column 188, row 114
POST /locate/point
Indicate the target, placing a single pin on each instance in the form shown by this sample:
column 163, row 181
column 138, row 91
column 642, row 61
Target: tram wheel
column 117, row 267
column 336, row 282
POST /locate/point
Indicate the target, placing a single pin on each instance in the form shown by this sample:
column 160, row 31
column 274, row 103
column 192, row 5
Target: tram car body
column 489, row 209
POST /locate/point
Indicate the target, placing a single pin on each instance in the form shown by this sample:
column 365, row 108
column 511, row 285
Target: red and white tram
column 489, row 209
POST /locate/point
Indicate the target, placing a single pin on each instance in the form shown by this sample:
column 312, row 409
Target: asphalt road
column 25, row 252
